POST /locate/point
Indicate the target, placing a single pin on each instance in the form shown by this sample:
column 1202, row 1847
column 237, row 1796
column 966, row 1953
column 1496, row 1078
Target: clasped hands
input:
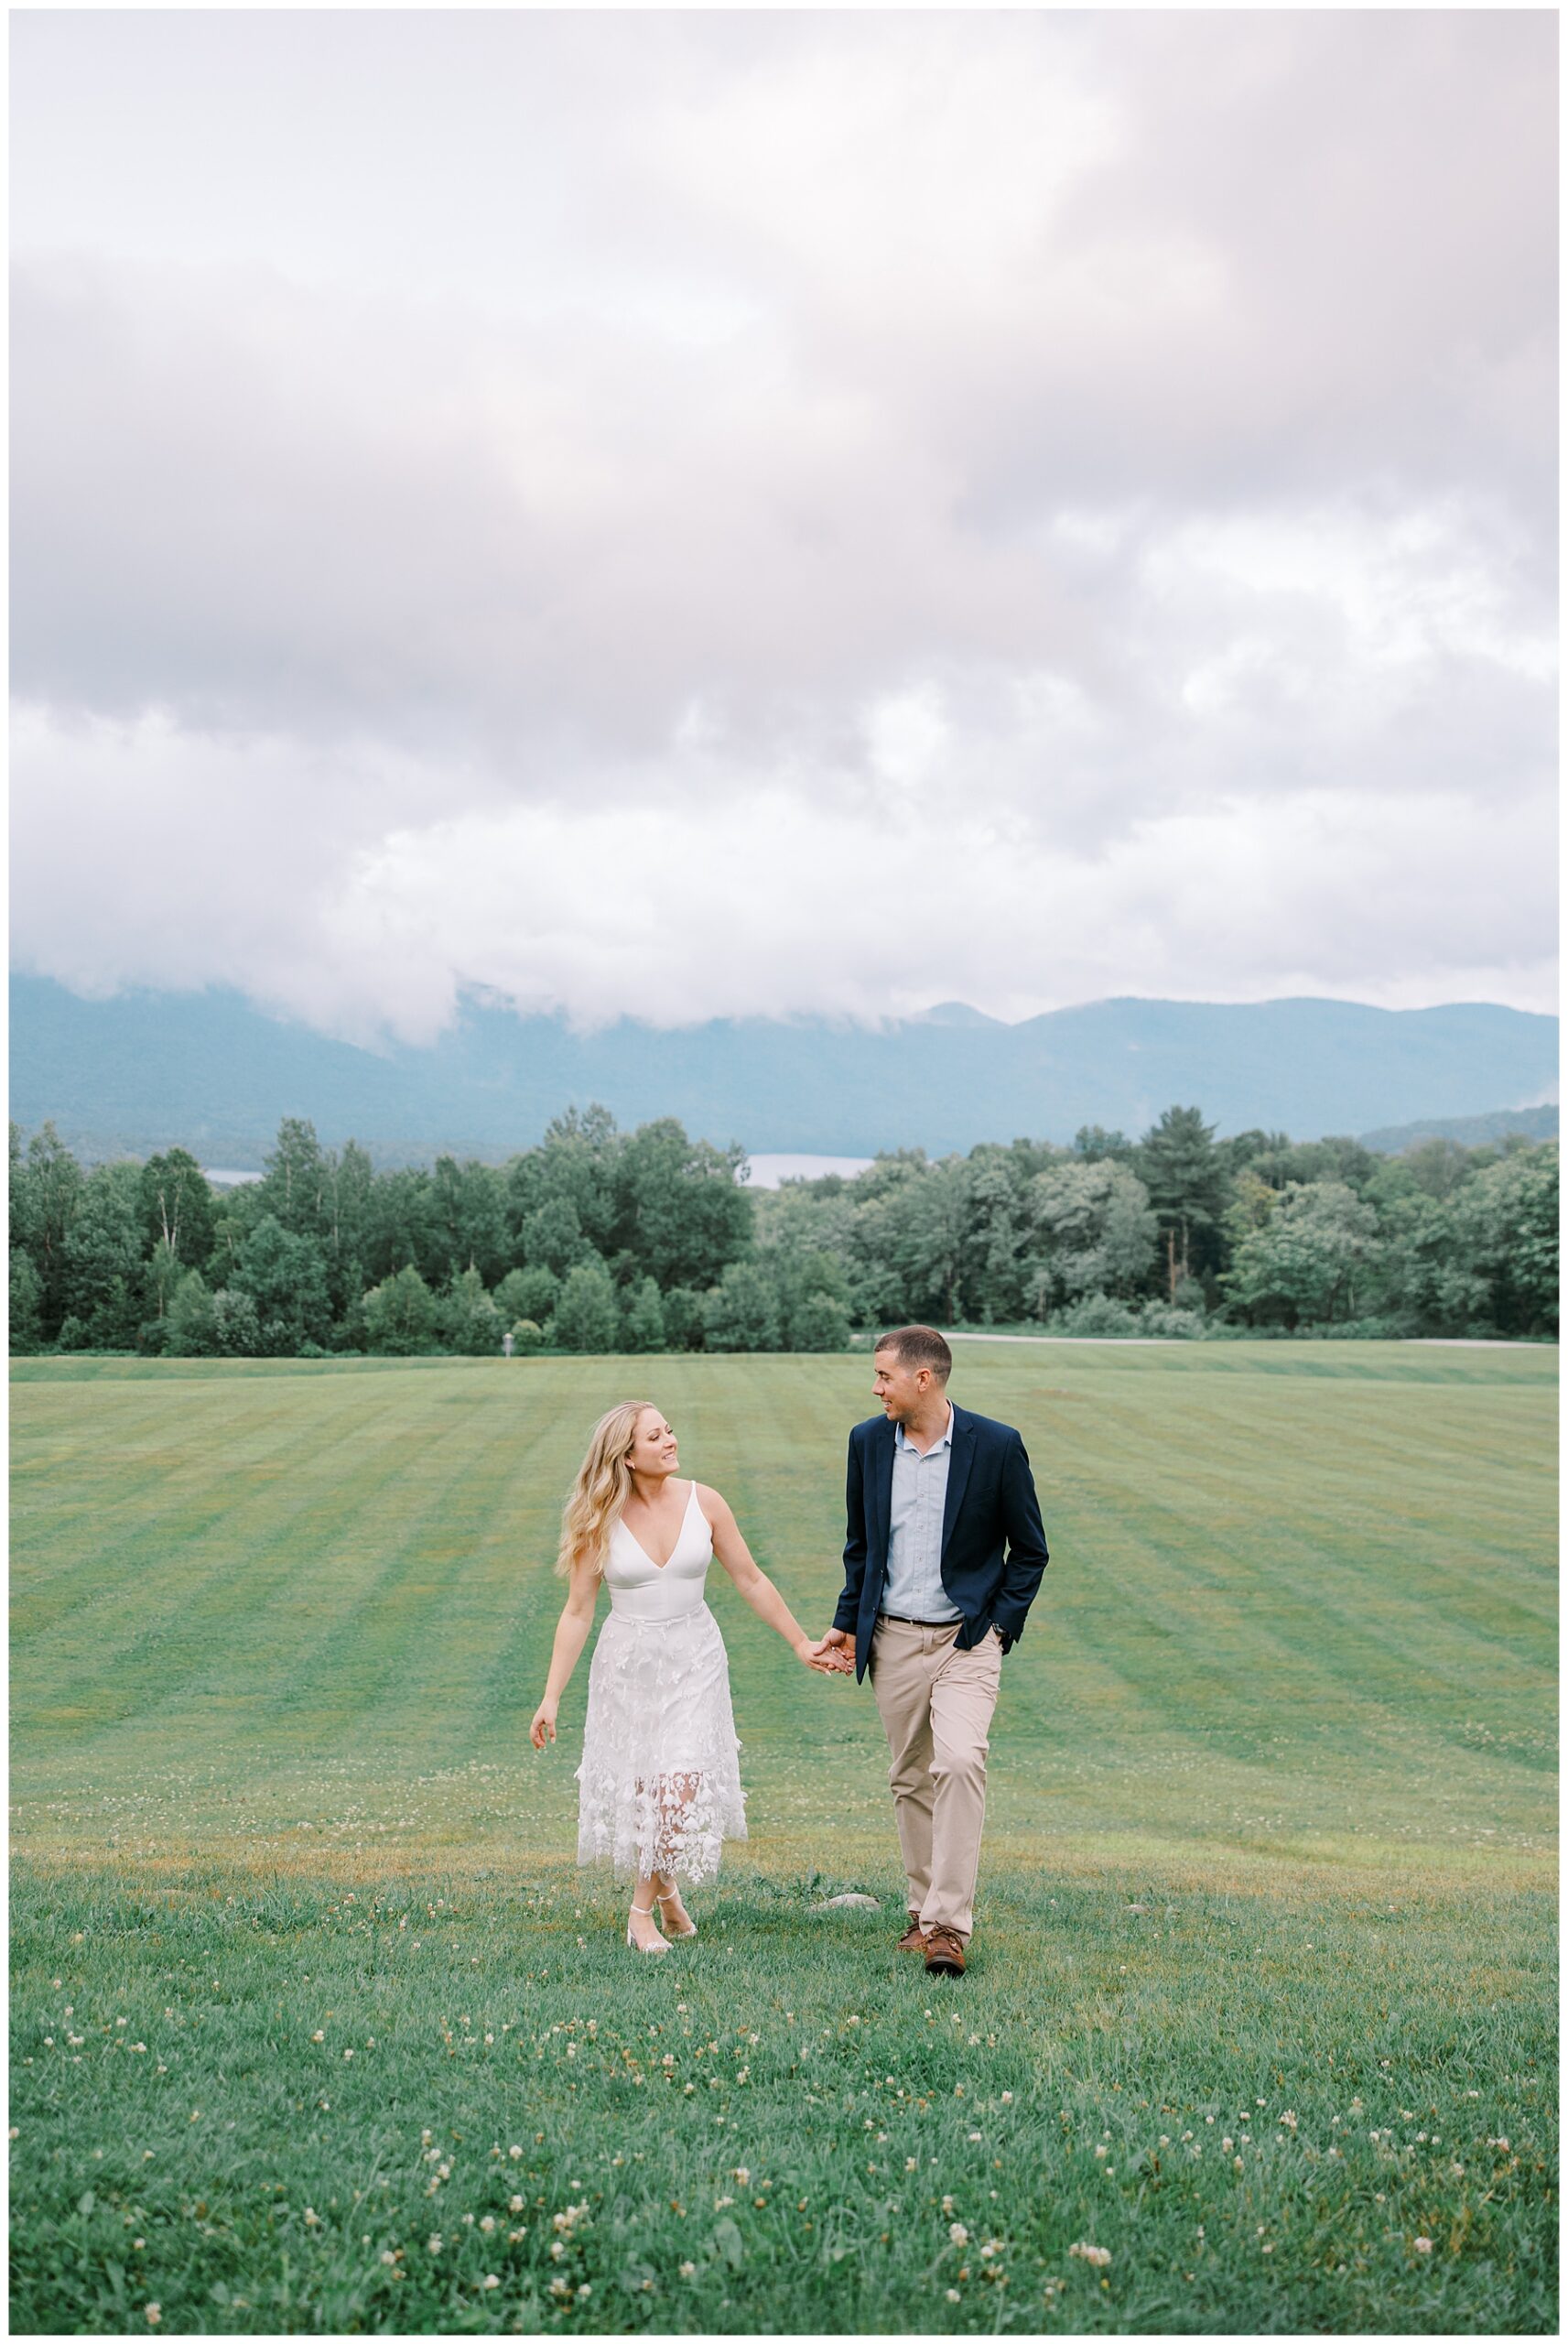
column 832, row 1655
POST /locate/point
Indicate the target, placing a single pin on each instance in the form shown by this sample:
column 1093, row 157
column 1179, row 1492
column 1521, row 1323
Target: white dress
column 660, row 1778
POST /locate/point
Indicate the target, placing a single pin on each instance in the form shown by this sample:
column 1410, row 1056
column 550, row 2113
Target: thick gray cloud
column 693, row 514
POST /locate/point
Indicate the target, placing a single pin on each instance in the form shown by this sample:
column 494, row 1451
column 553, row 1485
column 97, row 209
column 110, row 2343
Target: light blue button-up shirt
column 914, row 1586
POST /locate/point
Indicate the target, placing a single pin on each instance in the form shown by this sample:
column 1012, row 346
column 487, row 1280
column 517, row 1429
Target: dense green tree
column 1419, row 1279
column 1185, row 1176
column 577, row 1162
column 160, row 1280
column 468, row 1228
column 294, row 1188
column 683, row 1319
column 175, row 1206
column 1508, row 1220
column 192, row 1322
column 26, row 1303
column 46, row 1193
column 396, row 1231
column 820, row 1323
column 527, row 1294
column 400, row 1314
column 350, row 1194
column 285, row 1275
column 1282, row 1163
column 236, row 1323
column 915, row 1231
column 587, row 1316
column 236, row 1211
column 101, row 1259
column 1094, row 1144
column 644, row 1319
column 15, row 1191
column 995, row 1267
column 684, row 1216
column 468, row 1321
column 741, row 1312
column 552, row 1238
column 1092, row 1231
column 1300, row 1265
column 1439, row 1166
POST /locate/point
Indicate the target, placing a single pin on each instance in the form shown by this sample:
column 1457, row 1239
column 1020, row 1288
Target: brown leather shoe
column 944, row 1953
column 914, row 1939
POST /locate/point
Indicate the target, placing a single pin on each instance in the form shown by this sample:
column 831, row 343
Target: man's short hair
column 919, row 1347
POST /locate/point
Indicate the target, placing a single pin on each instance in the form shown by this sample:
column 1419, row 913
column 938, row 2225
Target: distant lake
column 767, row 1171
column 770, row 1171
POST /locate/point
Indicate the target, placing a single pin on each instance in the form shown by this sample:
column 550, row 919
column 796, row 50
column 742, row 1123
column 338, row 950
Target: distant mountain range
column 207, row 1070
column 1465, row 1130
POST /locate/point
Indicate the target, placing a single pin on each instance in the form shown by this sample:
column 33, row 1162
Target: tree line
column 602, row 1240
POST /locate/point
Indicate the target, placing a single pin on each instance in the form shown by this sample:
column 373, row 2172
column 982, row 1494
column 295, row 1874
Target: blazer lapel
column 958, row 1465
column 882, row 1486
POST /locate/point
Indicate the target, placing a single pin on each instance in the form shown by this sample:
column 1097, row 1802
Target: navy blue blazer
column 993, row 1541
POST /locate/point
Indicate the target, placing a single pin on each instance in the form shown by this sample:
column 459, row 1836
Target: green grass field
column 305, row 1977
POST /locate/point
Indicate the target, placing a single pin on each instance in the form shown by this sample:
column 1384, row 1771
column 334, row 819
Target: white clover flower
column 953, row 2296
column 958, row 2233
column 1099, row 2255
column 1424, row 2246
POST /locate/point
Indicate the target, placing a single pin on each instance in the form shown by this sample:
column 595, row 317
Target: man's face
column 900, row 1389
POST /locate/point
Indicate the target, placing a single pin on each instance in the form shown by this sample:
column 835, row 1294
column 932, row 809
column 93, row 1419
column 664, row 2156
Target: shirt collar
column 944, row 1441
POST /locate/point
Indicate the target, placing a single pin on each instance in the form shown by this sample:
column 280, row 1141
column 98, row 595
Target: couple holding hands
column 943, row 1554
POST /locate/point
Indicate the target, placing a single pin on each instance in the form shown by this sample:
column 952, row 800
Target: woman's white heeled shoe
column 660, row 1944
column 690, row 1929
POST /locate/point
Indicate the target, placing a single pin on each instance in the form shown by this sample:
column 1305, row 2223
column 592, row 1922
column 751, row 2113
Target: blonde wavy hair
column 603, row 1485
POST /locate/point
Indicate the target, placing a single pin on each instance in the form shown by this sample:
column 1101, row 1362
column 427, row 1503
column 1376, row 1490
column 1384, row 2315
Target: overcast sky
column 702, row 515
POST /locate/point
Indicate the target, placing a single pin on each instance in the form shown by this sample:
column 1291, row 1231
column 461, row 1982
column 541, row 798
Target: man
column 942, row 1559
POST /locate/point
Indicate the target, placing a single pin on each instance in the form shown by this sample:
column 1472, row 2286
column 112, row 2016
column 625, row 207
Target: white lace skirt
column 660, row 1778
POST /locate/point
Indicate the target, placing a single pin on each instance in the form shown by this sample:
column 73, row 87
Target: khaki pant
column 935, row 1703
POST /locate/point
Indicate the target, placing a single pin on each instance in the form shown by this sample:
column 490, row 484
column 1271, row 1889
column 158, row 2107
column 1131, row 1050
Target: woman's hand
column 543, row 1729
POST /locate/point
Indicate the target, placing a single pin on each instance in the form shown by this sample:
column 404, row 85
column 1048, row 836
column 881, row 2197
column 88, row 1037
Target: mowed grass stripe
column 280, row 1501
column 348, row 1572
column 1189, row 1609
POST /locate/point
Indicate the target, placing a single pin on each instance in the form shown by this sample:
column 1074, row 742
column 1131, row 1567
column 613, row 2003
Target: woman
column 660, row 1785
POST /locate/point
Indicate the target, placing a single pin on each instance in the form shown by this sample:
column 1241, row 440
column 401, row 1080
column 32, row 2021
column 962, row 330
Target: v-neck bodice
column 641, row 1589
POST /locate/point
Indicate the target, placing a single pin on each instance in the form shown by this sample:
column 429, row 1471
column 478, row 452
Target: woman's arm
column 753, row 1583
column 571, row 1634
